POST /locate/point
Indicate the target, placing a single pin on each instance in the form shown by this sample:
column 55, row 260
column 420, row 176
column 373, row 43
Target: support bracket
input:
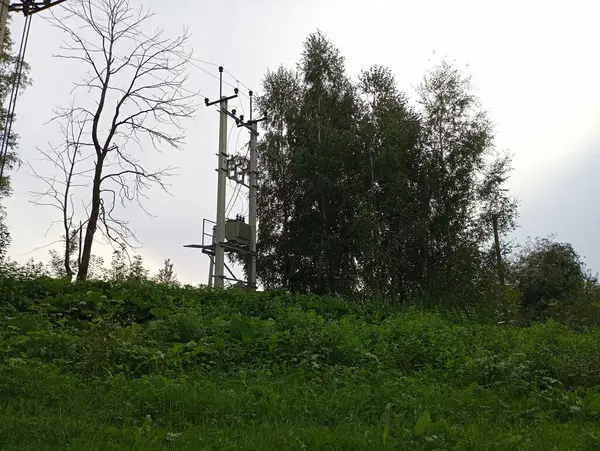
column 29, row 7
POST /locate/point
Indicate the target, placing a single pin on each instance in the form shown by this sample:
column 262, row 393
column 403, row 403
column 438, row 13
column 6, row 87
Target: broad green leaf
column 423, row 424
column 159, row 312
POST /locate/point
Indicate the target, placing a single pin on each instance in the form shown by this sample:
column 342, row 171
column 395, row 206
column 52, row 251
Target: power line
column 238, row 187
column 194, row 58
column 156, row 77
column 195, row 61
column 227, row 209
column 213, row 75
column 238, row 140
column 233, row 199
column 230, row 132
column 237, row 190
column 230, row 201
column 237, row 236
column 239, row 82
column 10, row 114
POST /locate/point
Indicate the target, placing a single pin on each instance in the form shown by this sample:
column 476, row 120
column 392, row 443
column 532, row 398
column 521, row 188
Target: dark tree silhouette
column 135, row 82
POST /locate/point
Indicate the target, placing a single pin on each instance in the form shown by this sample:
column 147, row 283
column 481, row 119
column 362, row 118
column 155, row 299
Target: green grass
column 103, row 366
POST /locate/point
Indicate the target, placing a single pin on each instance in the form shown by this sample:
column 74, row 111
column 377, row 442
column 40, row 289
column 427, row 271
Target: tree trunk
column 91, row 225
column 68, row 269
column 498, row 250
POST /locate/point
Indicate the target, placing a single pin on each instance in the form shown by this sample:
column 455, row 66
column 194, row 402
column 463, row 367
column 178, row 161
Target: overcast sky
column 535, row 65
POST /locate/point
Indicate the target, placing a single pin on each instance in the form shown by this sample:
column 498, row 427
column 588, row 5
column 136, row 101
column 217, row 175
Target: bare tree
column 136, row 82
column 67, row 161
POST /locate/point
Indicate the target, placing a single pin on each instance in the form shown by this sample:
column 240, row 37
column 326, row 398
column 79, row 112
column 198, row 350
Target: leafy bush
column 554, row 283
column 138, row 365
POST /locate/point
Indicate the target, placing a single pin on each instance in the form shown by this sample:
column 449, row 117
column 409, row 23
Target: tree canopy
column 362, row 192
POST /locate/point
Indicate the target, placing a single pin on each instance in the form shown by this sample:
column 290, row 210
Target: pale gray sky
column 535, row 65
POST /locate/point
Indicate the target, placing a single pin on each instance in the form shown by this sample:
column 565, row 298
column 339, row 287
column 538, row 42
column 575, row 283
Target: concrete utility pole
column 252, row 199
column 218, row 240
column 233, row 235
column 252, row 207
column 221, row 193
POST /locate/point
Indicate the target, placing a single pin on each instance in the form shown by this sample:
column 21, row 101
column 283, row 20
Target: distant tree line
column 120, row 269
column 363, row 194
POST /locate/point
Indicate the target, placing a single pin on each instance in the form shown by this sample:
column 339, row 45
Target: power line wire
column 227, row 209
column 237, row 188
column 239, row 192
column 231, row 202
column 194, row 58
column 234, row 77
column 10, row 114
column 195, row 61
column 233, row 199
column 123, row 60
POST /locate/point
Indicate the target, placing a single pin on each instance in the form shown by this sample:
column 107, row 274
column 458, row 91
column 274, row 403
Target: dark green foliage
column 305, row 237
column 29, row 270
column 363, row 195
column 140, row 365
column 552, row 277
column 390, row 223
column 4, row 235
column 65, row 265
column 137, row 272
column 464, row 184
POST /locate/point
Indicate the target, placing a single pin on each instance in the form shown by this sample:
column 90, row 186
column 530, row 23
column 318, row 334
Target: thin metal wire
column 156, row 77
column 236, row 189
column 239, row 191
column 195, row 61
column 227, row 208
column 14, row 94
column 239, row 82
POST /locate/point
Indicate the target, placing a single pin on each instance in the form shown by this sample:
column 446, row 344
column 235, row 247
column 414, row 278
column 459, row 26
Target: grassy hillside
column 106, row 366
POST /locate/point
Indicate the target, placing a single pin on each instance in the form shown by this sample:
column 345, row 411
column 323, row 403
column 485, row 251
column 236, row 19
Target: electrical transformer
column 237, row 232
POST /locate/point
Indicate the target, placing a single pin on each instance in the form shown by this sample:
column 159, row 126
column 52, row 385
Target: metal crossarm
column 29, row 7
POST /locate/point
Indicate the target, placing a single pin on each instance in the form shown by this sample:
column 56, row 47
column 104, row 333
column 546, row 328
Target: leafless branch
column 135, row 98
column 64, row 161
